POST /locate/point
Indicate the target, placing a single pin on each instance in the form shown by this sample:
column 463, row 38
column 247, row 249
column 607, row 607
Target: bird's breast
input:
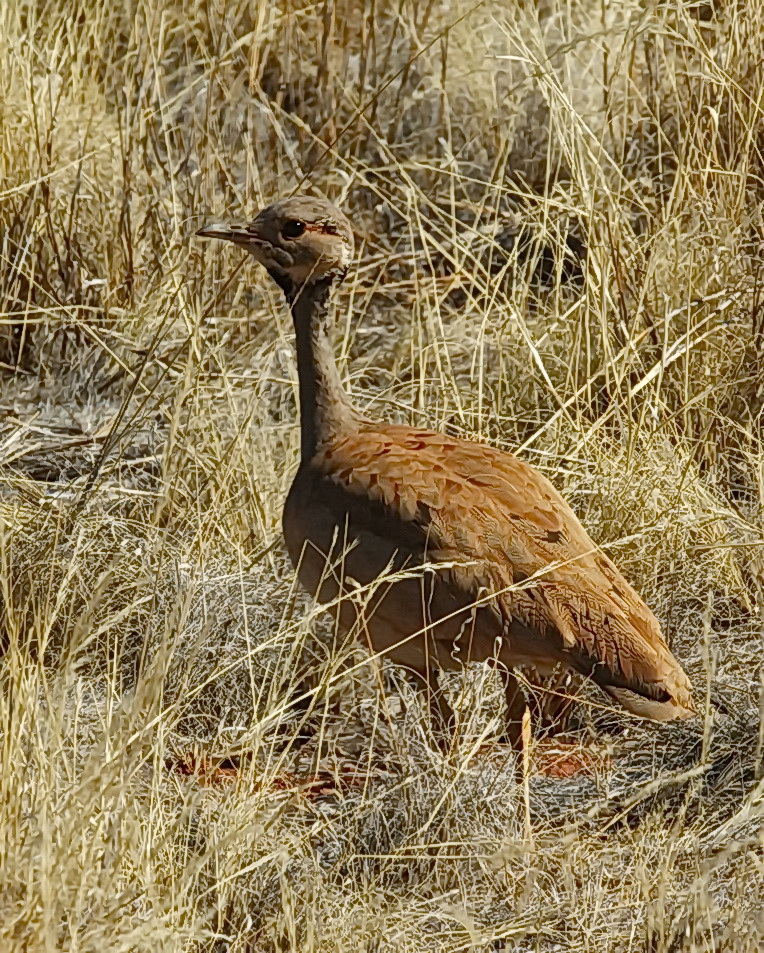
column 356, row 548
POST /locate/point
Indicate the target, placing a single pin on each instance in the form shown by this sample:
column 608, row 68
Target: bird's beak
column 238, row 234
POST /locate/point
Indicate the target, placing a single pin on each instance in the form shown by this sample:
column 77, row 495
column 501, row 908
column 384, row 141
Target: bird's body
column 440, row 550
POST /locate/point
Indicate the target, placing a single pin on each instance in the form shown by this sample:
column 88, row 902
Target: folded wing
column 507, row 531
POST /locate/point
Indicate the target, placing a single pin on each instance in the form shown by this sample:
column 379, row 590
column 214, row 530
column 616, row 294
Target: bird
column 465, row 552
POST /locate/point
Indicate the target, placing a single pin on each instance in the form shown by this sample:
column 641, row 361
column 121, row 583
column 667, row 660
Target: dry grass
column 149, row 619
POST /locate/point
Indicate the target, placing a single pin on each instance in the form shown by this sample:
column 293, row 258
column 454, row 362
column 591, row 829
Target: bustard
column 520, row 583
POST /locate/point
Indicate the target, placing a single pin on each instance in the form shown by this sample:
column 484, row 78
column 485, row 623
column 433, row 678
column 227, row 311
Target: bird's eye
column 293, row 228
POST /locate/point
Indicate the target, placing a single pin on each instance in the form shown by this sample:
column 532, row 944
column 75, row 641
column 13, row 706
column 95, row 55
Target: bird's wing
column 511, row 532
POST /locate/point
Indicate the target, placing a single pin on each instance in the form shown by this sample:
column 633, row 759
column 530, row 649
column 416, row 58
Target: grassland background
column 147, row 437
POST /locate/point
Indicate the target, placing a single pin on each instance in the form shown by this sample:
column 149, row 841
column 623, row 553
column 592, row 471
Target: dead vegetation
column 558, row 208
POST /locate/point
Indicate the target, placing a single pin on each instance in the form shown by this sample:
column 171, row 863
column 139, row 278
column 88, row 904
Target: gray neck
column 324, row 403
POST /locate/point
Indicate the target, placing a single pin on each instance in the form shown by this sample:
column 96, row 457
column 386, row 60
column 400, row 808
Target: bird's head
column 298, row 240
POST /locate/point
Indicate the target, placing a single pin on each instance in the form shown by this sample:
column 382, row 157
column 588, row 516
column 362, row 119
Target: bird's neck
column 324, row 404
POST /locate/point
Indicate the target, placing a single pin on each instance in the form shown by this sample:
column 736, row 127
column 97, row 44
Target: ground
column 557, row 209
